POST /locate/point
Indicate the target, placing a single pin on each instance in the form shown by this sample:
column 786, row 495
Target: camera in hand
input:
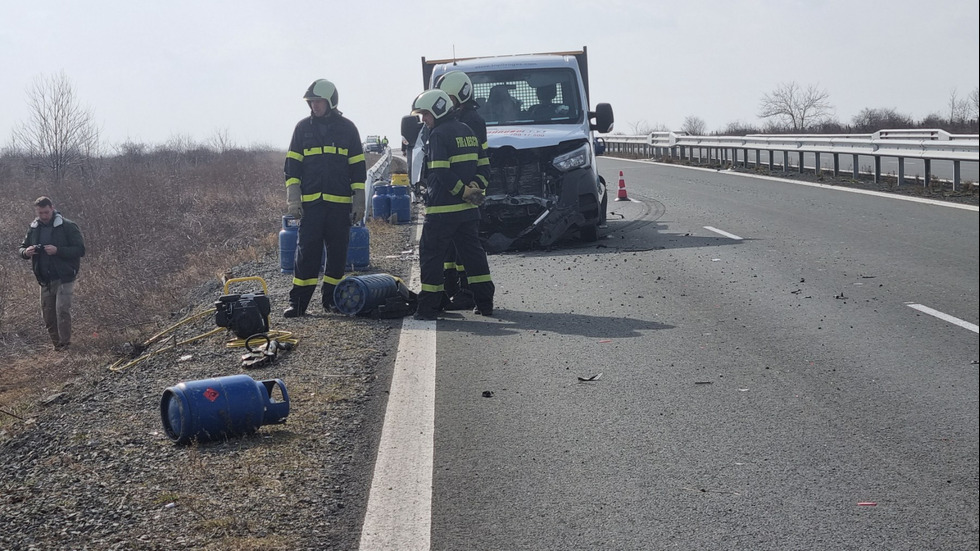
column 39, row 249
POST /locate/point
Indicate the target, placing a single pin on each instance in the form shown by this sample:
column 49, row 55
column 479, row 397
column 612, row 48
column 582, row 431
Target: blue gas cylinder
column 357, row 294
column 287, row 243
column 359, row 248
column 222, row 407
column 381, row 202
column 401, row 205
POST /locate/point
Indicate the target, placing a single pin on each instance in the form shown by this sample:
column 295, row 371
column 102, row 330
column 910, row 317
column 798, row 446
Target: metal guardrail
column 927, row 145
column 380, row 171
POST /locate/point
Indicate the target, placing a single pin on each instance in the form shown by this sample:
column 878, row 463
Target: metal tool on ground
column 265, row 353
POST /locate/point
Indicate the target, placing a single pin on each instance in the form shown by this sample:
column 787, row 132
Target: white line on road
column 945, row 317
column 725, row 233
column 399, row 508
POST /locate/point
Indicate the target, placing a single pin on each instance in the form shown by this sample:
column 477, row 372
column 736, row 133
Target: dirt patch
column 87, row 463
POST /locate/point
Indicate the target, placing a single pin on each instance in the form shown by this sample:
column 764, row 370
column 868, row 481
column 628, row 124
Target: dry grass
column 155, row 225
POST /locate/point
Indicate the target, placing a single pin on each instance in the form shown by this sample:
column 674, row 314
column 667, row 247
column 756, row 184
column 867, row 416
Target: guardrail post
column 854, row 167
column 758, row 161
column 817, row 169
column 956, row 175
column 877, row 169
column 769, row 155
column 785, row 161
column 800, row 168
column 901, row 171
column 745, row 157
column 836, row 164
column 928, row 168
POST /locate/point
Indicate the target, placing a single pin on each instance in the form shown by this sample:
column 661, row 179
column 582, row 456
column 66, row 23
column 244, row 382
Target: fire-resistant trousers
column 440, row 234
column 323, row 225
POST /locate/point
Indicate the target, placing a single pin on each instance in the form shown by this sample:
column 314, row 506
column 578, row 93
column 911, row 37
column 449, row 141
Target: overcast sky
column 153, row 71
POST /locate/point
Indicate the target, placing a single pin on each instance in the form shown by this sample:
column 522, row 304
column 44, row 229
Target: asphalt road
column 768, row 372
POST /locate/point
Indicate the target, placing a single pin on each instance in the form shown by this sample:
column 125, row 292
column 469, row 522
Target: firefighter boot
column 298, row 301
column 463, row 300
column 429, row 305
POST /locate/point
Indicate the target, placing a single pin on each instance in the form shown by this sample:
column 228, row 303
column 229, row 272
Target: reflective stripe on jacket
column 454, row 158
column 326, row 159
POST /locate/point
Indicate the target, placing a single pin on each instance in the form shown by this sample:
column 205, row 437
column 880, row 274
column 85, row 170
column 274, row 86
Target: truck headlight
column 578, row 158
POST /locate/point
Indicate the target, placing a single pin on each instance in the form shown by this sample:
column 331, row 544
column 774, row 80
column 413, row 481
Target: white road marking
column 945, row 317
column 725, row 233
column 399, row 508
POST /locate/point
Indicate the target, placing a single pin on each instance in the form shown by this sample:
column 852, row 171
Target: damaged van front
column 544, row 184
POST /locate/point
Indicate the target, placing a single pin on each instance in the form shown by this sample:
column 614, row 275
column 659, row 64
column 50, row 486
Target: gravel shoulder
column 91, row 467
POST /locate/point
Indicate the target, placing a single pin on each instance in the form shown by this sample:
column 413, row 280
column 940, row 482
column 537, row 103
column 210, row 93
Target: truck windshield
column 525, row 96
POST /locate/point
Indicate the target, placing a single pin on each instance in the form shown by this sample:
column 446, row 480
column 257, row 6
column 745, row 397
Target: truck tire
column 589, row 233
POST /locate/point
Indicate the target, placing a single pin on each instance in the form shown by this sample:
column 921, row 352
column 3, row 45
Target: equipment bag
column 245, row 314
column 399, row 306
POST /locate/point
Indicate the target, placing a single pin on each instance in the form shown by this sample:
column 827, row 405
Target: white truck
column 544, row 184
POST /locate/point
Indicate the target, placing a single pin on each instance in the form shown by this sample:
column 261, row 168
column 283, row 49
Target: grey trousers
column 56, row 310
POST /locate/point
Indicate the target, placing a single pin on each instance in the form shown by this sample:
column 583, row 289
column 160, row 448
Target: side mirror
column 603, row 118
column 599, row 145
column 411, row 125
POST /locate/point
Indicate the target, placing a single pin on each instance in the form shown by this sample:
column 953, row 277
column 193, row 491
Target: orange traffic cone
column 621, row 195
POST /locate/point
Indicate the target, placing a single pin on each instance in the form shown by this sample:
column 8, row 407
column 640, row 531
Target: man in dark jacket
column 325, row 176
column 54, row 246
column 455, row 177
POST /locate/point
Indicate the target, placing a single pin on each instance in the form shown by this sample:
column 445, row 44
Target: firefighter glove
column 359, row 206
column 294, row 201
column 473, row 195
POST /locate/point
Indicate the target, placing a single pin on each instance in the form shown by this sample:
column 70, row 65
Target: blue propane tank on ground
column 381, row 202
column 288, row 239
column 359, row 248
column 401, row 205
column 287, row 243
column 357, row 294
column 223, row 407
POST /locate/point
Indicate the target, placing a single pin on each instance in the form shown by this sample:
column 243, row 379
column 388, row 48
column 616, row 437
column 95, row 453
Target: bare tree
column 795, row 108
column 695, row 126
column 873, row 120
column 221, row 140
column 60, row 134
column 959, row 109
column 974, row 104
column 643, row 127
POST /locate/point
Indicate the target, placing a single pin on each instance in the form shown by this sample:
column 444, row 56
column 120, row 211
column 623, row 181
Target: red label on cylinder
column 211, row 394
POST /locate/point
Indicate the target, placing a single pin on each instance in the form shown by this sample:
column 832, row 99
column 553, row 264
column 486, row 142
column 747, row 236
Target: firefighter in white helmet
column 455, row 177
column 459, row 87
column 325, row 176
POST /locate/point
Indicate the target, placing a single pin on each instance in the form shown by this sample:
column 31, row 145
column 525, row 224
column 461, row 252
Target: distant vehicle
column 372, row 144
column 544, row 183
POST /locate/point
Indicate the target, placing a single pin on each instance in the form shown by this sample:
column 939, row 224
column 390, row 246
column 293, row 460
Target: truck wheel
column 589, row 233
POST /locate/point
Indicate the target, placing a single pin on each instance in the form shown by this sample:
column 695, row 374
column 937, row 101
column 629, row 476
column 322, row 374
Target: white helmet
column 457, row 85
column 322, row 89
column 434, row 101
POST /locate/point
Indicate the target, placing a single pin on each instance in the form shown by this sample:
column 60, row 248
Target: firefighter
column 455, row 177
column 325, row 176
column 459, row 87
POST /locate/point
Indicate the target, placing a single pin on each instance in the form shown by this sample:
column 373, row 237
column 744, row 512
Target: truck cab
column 544, row 184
